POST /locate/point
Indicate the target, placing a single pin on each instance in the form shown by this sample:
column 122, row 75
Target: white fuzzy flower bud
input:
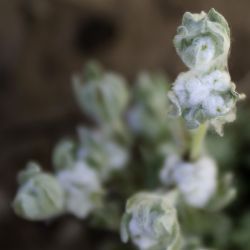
column 39, row 196
column 203, row 40
column 102, row 96
column 101, row 152
column 196, row 181
column 199, row 98
column 205, row 93
column 150, row 222
column 82, row 189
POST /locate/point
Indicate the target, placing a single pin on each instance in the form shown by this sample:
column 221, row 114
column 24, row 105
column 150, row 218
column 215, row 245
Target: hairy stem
column 197, row 141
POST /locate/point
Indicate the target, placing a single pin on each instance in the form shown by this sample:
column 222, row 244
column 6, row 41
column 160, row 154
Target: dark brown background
column 42, row 42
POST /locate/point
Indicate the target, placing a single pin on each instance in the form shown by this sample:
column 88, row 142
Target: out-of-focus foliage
column 103, row 166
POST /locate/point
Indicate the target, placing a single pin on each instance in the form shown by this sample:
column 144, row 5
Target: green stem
column 197, row 141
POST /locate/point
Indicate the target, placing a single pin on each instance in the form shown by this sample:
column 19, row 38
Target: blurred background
column 43, row 42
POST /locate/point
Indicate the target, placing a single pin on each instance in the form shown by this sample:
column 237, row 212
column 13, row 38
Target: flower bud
column 150, row 222
column 203, row 40
column 102, row 96
column 82, row 189
column 196, row 181
column 101, row 152
column 199, row 98
column 39, row 196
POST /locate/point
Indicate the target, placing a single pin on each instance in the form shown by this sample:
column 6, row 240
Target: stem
column 197, row 141
column 181, row 136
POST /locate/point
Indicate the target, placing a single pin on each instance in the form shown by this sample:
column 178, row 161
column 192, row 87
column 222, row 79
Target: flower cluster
column 200, row 98
column 40, row 195
column 151, row 223
column 82, row 189
column 86, row 177
column 196, row 181
column 97, row 94
column 205, row 92
column 203, row 40
column 82, row 167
